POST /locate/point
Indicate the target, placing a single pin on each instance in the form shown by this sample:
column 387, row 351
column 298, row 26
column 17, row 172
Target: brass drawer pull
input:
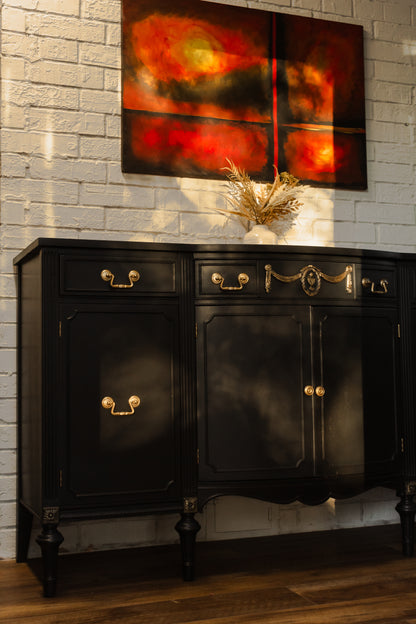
column 109, row 403
column 308, row 390
column 217, row 278
column 367, row 283
column 319, row 391
column 107, row 276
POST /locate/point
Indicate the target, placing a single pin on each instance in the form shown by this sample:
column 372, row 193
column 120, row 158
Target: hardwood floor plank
column 182, row 600
column 339, row 577
column 358, row 591
column 385, row 611
column 180, row 611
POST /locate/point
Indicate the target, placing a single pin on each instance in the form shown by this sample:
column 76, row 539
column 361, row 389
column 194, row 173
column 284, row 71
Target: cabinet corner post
column 406, row 509
column 49, row 541
column 188, row 527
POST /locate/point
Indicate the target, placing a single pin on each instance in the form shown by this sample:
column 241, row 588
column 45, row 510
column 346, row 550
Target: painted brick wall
column 60, row 176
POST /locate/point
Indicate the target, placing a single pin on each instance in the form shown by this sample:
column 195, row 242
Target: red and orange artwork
column 206, row 82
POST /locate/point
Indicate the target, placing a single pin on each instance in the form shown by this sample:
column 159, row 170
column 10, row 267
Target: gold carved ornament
column 310, row 278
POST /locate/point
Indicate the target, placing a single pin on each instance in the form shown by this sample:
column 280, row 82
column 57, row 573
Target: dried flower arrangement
column 262, row 204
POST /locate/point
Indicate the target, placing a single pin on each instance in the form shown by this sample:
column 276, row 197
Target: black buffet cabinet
column 154, row 377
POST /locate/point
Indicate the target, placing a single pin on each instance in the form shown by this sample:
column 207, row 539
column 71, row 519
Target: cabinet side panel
column 408, row 367
column 30, row 385
column 188, row 449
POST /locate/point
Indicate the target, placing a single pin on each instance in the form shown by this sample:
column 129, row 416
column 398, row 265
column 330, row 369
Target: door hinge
column 61, row 480
column 60, row 329
column 197, row 456
column 196, row 330
column 402, row 445
column 398, row 330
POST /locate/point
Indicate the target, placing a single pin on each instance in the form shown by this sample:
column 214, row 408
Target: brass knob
column 308, row 390
column 320, row 391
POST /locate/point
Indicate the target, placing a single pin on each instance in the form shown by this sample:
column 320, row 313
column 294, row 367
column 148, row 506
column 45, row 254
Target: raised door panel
column 252, row 368
column 358, row 412
column 119, row 352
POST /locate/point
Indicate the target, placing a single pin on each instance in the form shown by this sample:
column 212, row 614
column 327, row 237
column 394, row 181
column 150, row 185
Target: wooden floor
column 337, row 577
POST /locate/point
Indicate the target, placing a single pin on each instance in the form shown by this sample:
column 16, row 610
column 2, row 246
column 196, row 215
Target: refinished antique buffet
column 154, row 377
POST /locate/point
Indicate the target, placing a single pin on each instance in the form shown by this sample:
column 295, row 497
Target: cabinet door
column 357, row 368
column 254, row 420
column 119, row 352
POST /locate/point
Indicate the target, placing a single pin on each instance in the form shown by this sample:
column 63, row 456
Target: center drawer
column 274, row 277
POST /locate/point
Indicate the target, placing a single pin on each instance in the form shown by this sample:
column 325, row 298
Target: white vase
column 260, row 235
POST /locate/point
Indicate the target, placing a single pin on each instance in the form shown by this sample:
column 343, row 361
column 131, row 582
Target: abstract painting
column 206, row 82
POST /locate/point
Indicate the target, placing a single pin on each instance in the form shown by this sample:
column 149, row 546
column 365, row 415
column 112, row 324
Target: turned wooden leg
column 407, row 510
column 188, row 527
column 49, row 541
column 23, row 532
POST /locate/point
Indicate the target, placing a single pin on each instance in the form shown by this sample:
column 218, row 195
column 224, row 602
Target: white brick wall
column 61, row 176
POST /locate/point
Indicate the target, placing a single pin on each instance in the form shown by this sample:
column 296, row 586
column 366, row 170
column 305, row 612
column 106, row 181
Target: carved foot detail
column 407, row 510
column 49, row 541
column 188, row 527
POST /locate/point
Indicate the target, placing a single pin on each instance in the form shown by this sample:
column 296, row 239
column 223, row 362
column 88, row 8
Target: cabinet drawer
column 224, row 278
column 117, row 275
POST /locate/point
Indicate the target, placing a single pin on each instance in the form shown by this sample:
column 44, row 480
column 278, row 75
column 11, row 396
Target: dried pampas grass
column 262, row 204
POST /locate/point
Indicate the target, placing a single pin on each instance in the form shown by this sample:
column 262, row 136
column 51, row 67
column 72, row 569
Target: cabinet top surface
column 65, row 245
